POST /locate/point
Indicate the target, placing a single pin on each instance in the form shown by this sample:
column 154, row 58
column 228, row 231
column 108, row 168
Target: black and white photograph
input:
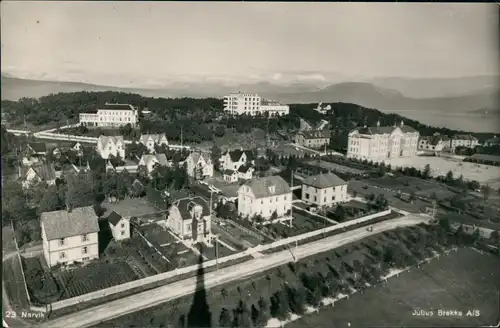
column 227, row 164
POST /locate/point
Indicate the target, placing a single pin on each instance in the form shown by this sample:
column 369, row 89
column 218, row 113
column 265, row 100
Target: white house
column 463, row 140
column 324, row 190
column 323, row 109
column 34, row 152
column 382, row 142
column 111, row 146
column 190, row 220
column 245, row 172
column 119, row 226
column 252, row 104
column 111, row 115
column 77, row 147
column 312, row 138
column 39, row 172
column 264, row 196
column 199, row 165
column 151, row 161
column 230, row 176
column 232, row 160
column 70, row 236
column 435, row 142
column 151, row 140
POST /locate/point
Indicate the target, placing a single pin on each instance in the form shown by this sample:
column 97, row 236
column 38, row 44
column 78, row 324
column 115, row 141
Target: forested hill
column 62, row 107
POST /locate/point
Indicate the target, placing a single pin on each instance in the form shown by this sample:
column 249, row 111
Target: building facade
column 199, row 165
column 230, row 176
column 36, row 173
column 463, row 140
column 312, row 139
column 119, row 226
column 108, row 146
column 495, row 141
column 435, row 143
column 264, row 196
column 111, row 115
column 70, row 236
column 234, row 159
column 324, row 190
column 190, row 219
column 151, row 161
column 252, row 104
column 382, row 142
column 151, row 140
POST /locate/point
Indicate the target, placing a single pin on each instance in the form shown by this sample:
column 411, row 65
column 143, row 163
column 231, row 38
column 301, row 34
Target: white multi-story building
column 379, row 143
column 264, row 196
column 324, row 190
column 111, row 146
column 190, row 220
column 111, row 115
column 252, row 104
column 463, row 140
column 199, row 165
column 69, row 236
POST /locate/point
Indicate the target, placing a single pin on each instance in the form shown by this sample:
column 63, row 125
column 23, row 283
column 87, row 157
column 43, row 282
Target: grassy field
column 137, row 207
column 302, row 223
column 408, row 185
column 334, row 167
column 14, row 284
column 461, row 281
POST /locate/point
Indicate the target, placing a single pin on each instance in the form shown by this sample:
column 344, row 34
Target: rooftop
column 268, row 186
column 110, row 106
column 185, row 205
column 322, row 181
column 63, row 224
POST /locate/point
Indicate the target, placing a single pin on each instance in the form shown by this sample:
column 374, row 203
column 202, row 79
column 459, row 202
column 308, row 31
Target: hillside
column 387, row 100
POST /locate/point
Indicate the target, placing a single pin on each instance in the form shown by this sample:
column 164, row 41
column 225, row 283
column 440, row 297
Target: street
column 185, row 287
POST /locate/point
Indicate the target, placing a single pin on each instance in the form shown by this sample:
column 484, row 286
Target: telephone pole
column 291, row 207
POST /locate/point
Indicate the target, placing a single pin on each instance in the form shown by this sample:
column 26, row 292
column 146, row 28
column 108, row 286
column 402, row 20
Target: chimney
column 402, row 123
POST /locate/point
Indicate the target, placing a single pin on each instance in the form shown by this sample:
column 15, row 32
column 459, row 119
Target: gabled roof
column 195, row 156
column 63, row 224
column 373, row 130
column 104, row 140
column 113, row 217
column 322, row 181
column 464, row 137
column 117, row 106
column 315, row 134
column 261, row 187
column 244, row 168
column 156, row 137
column 45, row 171
column 38, row 147
column 185, row 205
column 161, row 159
column 229, row 172
column 236, row 154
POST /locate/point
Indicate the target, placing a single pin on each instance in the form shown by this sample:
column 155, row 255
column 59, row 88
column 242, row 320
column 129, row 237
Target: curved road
column 133, row 303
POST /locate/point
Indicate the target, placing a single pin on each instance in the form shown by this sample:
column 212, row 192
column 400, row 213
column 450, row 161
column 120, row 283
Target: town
column 108, row 206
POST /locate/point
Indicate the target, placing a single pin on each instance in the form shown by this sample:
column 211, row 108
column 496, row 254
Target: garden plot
column 132, row 207
column 300, row 224
column 440, row 166
column 211, row 252
column 156, row 234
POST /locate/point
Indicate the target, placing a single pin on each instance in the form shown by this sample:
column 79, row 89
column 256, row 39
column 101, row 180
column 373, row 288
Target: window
column 122, row 233
column 123, row 225
column 307, row 196
column 315, row 198
column 85, row 238
column 61, row 242
column 85, row 250
column 62, row 255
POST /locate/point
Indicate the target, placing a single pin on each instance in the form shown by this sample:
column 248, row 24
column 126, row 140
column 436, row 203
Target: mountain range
column 449, row 95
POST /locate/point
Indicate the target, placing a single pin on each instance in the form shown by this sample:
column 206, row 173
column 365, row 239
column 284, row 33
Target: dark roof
column 435, row 139
column 38, row 147
column 236, row 154
column 45, row 171
column 372, row 130
column 244, row 168
column 322, row 181
column 63, row 224
column 185, row 205
column 315, row 134
column 113, row 217
column 494, row 140
column 464, row 137
column 228, row 172
column 261, row 187
column 117, row 106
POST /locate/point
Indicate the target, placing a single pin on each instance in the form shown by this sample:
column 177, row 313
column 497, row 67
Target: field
column 137, row 207
column 440, row 166
column 211, row 252
column 292, row 287
column 14, row 284
column 228, row 189
column 408, row 185
column 237, row 237
column 334, row 167
column 463, row 281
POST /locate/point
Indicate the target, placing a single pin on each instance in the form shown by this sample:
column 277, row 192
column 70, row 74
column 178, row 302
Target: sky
column 153, row 43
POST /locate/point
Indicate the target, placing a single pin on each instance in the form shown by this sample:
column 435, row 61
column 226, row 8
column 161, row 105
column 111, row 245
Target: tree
column 79, row 190
column 381, row 202
column 242, row 316
column 449, row 177
column 274, row 216
column 279, row 305
column 340, row 213
column 215, row 154
column 225, row 318
column 426, row 174
column 50, row 201
column 412, row 197
column 297, row 297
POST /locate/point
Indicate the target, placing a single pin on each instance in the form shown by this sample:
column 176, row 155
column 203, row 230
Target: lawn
column 334, row 167
column 228, row 189
column 211, row 252
column 302, row 223
column 236, row 236
column 14, row 284
column 132, row 207
column 462, row 281
column 156, row 234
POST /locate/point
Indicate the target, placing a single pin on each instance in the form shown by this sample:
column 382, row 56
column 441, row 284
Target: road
column 185, row 287
column 7, row 313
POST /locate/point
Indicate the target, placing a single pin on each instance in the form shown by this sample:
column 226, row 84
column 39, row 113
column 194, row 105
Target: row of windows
column 276, row 199
column 307, row 196
column 62, row 241
column 117, row 113
column 62, row 255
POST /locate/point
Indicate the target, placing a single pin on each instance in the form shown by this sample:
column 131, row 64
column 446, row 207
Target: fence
column 170, row 274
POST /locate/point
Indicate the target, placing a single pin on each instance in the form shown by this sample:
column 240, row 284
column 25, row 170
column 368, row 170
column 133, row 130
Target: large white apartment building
column 264, row 196
column 111, row 115
column 252, row 104
column 379, row 143
column 463, row 140
column 324, row 190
